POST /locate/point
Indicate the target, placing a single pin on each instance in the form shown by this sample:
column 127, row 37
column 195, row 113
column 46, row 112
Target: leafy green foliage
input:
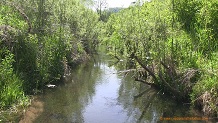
column 174, row 40
column 40, row 38
column 10, row 83
column 199, row 18
column 203, row 31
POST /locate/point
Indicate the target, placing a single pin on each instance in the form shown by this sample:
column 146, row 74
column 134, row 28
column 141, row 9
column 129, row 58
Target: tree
column 99, row 6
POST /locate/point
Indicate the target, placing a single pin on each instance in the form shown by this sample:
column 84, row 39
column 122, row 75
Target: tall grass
column 11, row 86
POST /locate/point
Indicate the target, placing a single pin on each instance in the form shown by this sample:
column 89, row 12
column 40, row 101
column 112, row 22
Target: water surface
column 96, row 93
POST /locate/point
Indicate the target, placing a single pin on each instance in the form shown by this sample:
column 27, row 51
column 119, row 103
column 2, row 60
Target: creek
column 95, row 92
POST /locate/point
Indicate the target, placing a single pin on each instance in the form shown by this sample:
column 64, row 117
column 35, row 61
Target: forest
column 170, row 44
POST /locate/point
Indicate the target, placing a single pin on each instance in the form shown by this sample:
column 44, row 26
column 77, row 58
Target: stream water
column 96, row 92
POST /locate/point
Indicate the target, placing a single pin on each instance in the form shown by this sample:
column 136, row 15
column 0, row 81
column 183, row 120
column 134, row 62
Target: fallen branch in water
column 143, row 81
column 146, row 68
column 129, row 70
column 176, row 92
column 170, row 71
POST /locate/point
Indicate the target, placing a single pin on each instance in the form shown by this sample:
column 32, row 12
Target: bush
column 38, row 40
column 174, row 41
column 11, row 90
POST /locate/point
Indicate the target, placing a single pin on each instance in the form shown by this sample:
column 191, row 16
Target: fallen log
column 147, row 69
column 143, row 81
column 129, row 70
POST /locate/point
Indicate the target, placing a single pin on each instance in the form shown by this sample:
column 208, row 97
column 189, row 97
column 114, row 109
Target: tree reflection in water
column 146, row 104
column 93, row 93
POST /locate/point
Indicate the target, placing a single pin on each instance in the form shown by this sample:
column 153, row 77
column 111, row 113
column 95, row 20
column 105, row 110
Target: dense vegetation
column 38, row 39
column 172, row 45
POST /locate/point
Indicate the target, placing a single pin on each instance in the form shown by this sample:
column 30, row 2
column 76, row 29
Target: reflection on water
column 94, row 94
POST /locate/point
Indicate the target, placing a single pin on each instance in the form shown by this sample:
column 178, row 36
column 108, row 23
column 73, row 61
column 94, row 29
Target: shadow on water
column 94, row 93
column 66, row 103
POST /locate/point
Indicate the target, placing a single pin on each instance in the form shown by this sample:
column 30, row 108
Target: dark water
column 96, row 93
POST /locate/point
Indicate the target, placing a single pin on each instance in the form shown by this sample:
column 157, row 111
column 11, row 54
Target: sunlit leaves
column 62, row 32
column 10, row 83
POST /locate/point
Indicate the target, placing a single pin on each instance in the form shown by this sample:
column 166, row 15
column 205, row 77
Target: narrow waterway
column 96, row 92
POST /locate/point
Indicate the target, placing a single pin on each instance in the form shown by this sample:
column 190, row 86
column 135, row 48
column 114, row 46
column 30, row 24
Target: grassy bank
column 175, row 44
column 37, row 40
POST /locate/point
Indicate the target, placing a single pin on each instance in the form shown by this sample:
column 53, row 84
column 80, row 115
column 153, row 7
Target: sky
column 119, row 3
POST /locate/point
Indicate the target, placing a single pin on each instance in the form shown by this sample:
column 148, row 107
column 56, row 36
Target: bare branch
column 130, row 70
column 146, row 68
column 143, row 81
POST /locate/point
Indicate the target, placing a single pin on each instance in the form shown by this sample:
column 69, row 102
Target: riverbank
column 37, row 42
column 32, row 105
column 169, row 48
